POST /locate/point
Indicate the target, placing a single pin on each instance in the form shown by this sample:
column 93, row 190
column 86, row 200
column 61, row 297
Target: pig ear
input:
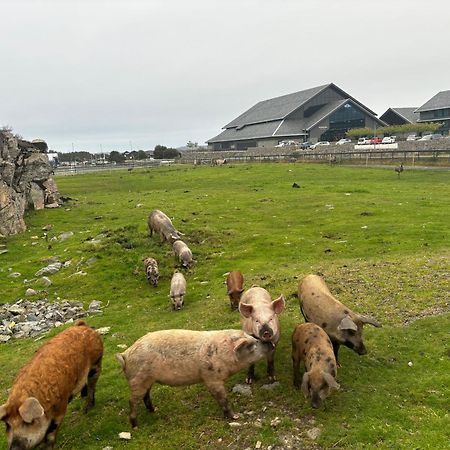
column 279, row 304
column 2, row 411
column 305, row 383
column 31, row 409
column 347, row 324
column 239, row 344
column 245, row 309
column 370, row 320
column 330, row 380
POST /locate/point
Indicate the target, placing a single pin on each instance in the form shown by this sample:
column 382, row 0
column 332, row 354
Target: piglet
column 185, row 357
column 235, row 283
column 312, row 346
column 67, row 364
column 183, row 253
column 151, row 270
column 177, row 290
column 259, row 318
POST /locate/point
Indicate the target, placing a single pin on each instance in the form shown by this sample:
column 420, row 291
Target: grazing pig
column 312, row 346
column 177, row 290
column 183, row 253
column 159, row 223
column 67, row 364
column 343, row 326
column 235, row 283
column 184, row 357
column 151, row 270
column 259, row 318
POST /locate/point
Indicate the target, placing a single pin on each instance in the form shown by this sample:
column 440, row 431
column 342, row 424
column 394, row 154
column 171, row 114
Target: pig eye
column 257, row 321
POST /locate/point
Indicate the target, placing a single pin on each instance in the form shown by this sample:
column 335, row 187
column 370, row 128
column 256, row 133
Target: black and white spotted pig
column 151, row 270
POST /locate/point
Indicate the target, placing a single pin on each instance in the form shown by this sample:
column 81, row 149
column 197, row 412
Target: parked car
column 412, row 137
column 363, row 141
column 343, row 141
column 431, row 137
column 305, row 145
column 287, row 144
column 375, row 140
column 319, row 144
column 388, row 140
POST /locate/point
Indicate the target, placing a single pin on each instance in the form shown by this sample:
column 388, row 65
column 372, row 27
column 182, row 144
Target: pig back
column 60, row 367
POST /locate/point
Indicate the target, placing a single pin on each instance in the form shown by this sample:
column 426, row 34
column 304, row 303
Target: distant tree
column 355, row 133
column 75, row 156
column 191, row 144
column 163, row 152
column 117, row 157
column 394, row 129
column 141, row 155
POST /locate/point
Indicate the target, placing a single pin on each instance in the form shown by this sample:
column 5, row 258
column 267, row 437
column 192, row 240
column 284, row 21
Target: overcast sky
column 116, row 74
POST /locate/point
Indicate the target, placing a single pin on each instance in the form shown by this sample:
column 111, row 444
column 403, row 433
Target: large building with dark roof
column 437, row 109
column 400, row 116
column 322, row 113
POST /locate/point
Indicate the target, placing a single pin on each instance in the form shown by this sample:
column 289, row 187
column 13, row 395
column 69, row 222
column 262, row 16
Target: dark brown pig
column 343, row 326
column 259, row 318
column 235, row 283
column 184, row 357
column 159, row 223
column 67, row 364
column 312, row 346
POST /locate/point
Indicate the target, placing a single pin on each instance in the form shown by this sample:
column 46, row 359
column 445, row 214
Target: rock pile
column 25, row 181
column 29, row 318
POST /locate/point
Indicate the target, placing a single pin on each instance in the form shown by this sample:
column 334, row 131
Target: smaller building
column 400, row 116
column 437, row 109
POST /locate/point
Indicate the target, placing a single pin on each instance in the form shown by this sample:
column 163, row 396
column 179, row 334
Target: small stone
column 47, row 227
column 125, row 435
column 271, row 386
column 258, row 444
column 410, row 364
column 64, row 236
column 313, row 433
column 122, row 345
column 14, row 275
column 90, row 261
column 52, row 205
column 4, row 338
column 107, row 448
column 30, row 292
column 95, row 305
column 234, row 424
column 46, row 281
column 16, row 310
column 103, row 330
column 275, row 422
column 242, row 389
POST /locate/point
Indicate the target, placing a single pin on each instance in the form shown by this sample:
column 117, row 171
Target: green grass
column 382, row 244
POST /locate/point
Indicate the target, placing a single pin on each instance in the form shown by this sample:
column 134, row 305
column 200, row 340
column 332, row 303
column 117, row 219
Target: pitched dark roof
column 439, row 101
column 275, row 108
column 286, row 127
column 408, row 114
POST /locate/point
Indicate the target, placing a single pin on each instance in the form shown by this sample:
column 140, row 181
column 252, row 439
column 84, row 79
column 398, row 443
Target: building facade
column 437, row 109
column 323, row 113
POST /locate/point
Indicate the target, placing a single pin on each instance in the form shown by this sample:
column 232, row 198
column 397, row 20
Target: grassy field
column 382, row 244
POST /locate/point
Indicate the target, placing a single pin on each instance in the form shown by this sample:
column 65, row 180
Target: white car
column 412, row 137
column 287, row 144
column 427, row 137
column 388, row 140
column 320, row 144
column 363, row 141
column 343, row 141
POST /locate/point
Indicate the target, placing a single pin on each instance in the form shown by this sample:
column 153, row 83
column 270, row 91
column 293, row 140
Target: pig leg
column 250, row 374
column 271, row 367
column 296, row 371
column 148, row 402
column 217, row 389
column 93, row 376
column 336, row 350
column 52, row 431
column 139, row 391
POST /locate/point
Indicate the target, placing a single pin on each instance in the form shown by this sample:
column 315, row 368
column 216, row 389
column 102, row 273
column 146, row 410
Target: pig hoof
column 249, row 380
column 272, row 379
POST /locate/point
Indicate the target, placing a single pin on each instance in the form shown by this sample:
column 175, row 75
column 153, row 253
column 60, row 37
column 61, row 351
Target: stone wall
column 25, row 181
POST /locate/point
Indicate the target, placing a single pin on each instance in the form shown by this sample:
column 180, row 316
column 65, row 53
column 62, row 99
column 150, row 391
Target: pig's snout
column 266, row 333
column 18, row 444
column 315, row 401
column 361, row 350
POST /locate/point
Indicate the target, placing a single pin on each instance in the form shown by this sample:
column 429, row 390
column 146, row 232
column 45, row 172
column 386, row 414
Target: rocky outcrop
column 25, row 181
